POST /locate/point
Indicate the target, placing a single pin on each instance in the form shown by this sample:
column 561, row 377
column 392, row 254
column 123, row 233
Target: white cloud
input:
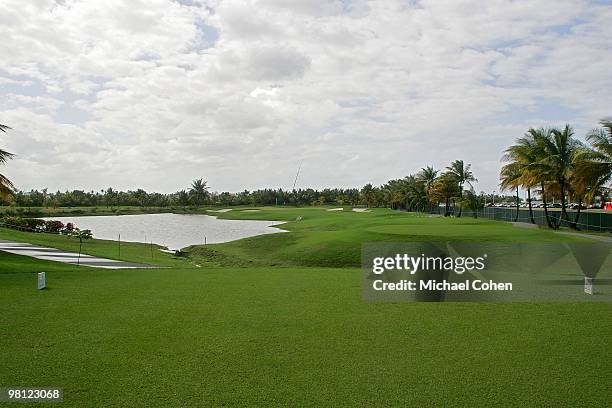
column 155, row 93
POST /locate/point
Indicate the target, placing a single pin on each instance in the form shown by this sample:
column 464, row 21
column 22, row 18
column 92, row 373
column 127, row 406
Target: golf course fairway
column 279, row 320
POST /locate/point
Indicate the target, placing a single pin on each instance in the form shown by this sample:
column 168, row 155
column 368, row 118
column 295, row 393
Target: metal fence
column 588, row 221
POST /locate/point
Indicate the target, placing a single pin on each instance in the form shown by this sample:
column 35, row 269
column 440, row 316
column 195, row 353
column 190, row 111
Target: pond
column 174, row 231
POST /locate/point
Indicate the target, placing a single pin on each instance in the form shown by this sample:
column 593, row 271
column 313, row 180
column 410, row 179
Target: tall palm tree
column 559, row 160
column 443, row 190
column 367, row 194
column 416, row 194
column 596, row 162
column 427, row 176
column 6, row 187
column 526, row 152
column 199, row 191
column 592, row 167
column 463, row 175
column 541, row 137
column 511, row 180
column 395, row 193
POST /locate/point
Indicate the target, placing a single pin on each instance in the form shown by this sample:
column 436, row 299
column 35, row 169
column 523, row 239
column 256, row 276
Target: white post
column 588, row 286
column 41, row 280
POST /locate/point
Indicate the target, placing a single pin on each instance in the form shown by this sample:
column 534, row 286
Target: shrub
column 36, row 225
column 14, row 222
column 54, row 226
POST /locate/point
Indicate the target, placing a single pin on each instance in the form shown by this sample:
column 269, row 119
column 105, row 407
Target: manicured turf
column 125, row 251
column 333, row 239
column 293, row 335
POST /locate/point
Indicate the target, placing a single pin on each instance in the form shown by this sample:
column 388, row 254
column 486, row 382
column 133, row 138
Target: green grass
column 129, row 251
column 295, row 334
column 333, row 239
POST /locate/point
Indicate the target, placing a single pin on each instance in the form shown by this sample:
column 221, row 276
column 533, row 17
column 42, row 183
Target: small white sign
column 41, row 280
column 588, row 286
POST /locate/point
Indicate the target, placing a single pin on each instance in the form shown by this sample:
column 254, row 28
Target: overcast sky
column 155, row 93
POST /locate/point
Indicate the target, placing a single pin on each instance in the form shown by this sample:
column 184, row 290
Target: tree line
column 414, row 192
column 549, row 162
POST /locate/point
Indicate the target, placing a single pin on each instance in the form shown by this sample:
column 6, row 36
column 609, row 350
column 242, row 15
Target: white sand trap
column 53, row 254
column 250, row 210
column 361, row 209
column 220, row 211
column 335, row 209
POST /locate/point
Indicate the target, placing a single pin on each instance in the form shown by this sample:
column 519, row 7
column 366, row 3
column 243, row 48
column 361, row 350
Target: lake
column 174, row 231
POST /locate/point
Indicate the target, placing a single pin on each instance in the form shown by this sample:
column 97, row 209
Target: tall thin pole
column 80, row 247
column 297, row 174
column 119, row 242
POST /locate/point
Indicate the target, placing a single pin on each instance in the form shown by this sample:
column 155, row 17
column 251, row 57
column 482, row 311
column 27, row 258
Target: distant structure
column 297, row 174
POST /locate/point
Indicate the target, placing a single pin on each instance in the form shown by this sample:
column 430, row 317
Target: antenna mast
column 297, row 174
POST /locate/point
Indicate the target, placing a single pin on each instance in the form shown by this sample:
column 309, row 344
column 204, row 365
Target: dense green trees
column 414, row 193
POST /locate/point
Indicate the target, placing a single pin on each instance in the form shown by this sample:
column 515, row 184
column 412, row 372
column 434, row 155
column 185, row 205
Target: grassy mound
column 334, row 239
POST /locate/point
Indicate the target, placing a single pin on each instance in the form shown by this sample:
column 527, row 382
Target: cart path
column 53, row 254
column 601, row 238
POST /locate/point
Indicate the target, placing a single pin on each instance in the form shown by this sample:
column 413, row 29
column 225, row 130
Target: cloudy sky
column 156, row 93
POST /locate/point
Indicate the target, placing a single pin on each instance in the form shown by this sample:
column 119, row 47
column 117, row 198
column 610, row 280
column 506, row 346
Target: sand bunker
column 250, row 210
column 220, row 211
column 335, row 209
column 361, row 209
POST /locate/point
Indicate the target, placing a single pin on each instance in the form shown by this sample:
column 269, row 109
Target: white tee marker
column 588, row 286
column 41, row 280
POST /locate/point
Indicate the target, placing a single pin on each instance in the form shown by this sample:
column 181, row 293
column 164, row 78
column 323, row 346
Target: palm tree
column 6, row 187
column 592, row 167
column 596, row 162
column 525, row 153
column 558, row 162
column 182, row 198
column 199, row 191
column 443, row 190
column 539, row 173
column 462, row 174
column 427, row 176
column 473, row 202
column 416, row 194
column 395, row 193
column 510, row 180
column 367, row 194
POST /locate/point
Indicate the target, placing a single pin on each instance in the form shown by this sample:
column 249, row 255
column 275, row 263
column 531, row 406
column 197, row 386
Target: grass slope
column 334, row 239
column 297, row 336
column 130, row 251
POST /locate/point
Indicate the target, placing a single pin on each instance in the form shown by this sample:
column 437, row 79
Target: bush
column 36, row 225
column 54, row 227
column 14, row 222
